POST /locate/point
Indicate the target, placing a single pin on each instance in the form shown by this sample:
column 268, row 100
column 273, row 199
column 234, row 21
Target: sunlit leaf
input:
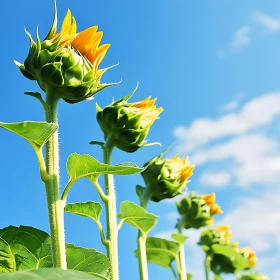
column 36, row 133
column 137, row 216
column 179, row 238
column 28, row 248
column 24, row 248
column 237, row 259
column 88, row 209
column 49, row 274
column 161, row 251
column 79, row 166
column 87, row 260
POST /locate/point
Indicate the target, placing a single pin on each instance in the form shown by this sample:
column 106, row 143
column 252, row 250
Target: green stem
column 183, row 270
column 141, row 241
column 55, row 205
column 206, row 266
column 111, row 211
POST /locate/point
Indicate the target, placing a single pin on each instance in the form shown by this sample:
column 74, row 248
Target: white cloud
column 233, row 104
column 256, row 221
column 241, row 38
column 269, row 22
column 254, row 158
column 254, row 114
column 219, row 179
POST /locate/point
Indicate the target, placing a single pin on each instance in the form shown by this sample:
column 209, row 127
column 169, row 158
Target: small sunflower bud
column 128, row 124
column 220, row 235
column 253, row 276
column 198, row 211
column 249, row 254
column 66, row 64
column 166, row 178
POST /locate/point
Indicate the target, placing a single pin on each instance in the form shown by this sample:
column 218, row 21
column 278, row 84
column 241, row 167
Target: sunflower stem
column 55, row 205
column 111, row 211
column 182, row 270
column 207, row 267
column 141, row 240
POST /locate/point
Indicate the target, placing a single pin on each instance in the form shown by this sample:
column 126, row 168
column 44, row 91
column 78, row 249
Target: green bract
column 194, row 211
column 166, row 178
column 127, row 124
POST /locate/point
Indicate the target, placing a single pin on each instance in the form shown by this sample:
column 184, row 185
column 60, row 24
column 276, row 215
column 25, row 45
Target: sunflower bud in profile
column 127, row 124
column 253, row 276
column 65, row 64
column 198, row 211
column 249, row 254
column 166, row 178
column 220, row 235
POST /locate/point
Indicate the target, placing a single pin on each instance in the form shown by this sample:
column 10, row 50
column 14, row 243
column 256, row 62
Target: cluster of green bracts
column 65, row 66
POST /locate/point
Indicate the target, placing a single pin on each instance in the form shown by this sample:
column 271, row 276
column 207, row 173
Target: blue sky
column 212, row 64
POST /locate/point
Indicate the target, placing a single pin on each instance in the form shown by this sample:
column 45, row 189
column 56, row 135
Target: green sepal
column 53, row 29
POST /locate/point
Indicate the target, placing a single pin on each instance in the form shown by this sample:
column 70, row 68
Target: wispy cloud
column 216, row 180
column 233, row 104
column 269, row 22
column 234, row 148
column 241, row 38
column 254, row 114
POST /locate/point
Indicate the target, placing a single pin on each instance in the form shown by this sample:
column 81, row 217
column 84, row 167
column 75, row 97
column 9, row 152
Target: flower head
column 128, row 123
column 65, row 64
column 198, row 211
column 249, row 254
column 253, row 276
column 166, row 178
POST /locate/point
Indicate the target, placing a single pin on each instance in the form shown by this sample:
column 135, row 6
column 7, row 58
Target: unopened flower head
column 253, row 276
column 66, row 64
column 166, row 178
column 198, row 211
column 249, row 254
column 127, row 124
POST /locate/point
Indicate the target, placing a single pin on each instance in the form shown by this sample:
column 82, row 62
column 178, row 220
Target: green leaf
column 79, row 166
column 87, row 260
column 49, row 274
column 237, row 259
column 189, row 276
column 36, row 133
column 137, row 216
column 24, row 248
column 88, row 209
column 27, row 248
column 179, row 238
column 161, row 251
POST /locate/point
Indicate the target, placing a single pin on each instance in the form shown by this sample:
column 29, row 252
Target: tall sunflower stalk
column 65, row 66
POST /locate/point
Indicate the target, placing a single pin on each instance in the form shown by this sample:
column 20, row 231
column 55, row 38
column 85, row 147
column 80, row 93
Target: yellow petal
column 66, row 25
column 83, row 38
column 73, row 27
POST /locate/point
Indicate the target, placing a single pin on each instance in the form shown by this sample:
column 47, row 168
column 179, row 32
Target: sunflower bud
column 198, row 211
column 66, row 64
column 220, row 235
column 253, row 276
column 249, row 254
column 127, row 124
column 166, row 178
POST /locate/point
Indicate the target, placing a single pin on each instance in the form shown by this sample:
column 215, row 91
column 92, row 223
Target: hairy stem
column 183, row 270
column 207, row 267
column 141, row 241
column 55, row 205
column 111, row 212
